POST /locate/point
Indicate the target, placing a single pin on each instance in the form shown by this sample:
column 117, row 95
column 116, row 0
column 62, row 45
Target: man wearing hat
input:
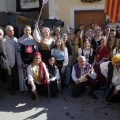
column 111, row 70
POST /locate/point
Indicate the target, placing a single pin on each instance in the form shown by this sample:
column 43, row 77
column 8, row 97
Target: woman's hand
column 36, row 25
column 48, row 81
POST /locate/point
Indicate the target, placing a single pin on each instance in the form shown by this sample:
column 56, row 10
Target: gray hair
column 81, row 58
column 7, row 27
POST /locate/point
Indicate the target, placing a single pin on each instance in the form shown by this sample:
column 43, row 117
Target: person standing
column 1, row 69
column 67, row 67
column 46, row 42
column 61, row 55
column 78, row 42
column 27, row 46
column 9, row 45
column 111, row 42
column 102, row 55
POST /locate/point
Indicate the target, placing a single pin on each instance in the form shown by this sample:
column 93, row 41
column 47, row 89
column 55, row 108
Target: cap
column 117, row 27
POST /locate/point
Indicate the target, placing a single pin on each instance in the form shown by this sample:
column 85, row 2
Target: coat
column 9, row 50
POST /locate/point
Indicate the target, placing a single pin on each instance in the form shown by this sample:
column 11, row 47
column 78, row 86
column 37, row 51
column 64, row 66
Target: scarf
column 42, row 74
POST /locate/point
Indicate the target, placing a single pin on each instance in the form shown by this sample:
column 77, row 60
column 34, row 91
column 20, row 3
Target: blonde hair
column 115, row 58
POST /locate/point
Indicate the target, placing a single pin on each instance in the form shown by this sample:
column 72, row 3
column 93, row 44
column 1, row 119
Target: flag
column 112, row 9
column 28, row 5
column 45, row 1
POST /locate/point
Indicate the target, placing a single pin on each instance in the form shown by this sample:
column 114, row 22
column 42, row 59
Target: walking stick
column 48, row 93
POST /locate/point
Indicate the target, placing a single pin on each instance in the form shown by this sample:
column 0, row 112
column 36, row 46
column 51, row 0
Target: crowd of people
column 88, row 57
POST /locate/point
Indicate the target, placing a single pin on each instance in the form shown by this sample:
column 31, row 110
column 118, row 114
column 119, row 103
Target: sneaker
column 93, row 95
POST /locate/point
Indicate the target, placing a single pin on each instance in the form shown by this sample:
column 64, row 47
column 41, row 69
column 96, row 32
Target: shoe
column 93, row 95
column 12, row 92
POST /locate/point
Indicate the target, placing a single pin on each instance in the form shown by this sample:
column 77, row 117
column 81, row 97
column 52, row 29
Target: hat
column 56, row 29
column 37, row 53
column 64, row 34
column 115, row 58
column 117, row 27
column 47, row 29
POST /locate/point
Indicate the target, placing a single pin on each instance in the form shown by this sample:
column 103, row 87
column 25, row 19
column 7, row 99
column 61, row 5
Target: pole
column 40, row 12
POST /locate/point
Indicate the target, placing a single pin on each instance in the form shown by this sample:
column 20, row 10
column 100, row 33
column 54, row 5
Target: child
column 53, row 76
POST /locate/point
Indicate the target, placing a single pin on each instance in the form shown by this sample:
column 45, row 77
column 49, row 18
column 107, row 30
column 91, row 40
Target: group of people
column 87, row 57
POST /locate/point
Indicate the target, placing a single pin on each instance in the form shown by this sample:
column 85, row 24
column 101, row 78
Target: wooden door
column 87, row 17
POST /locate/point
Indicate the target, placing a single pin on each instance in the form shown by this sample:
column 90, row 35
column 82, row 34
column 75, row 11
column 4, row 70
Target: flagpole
column 40, row 12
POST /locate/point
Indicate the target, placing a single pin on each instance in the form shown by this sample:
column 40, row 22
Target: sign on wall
column 22, row 21
column 28, row 5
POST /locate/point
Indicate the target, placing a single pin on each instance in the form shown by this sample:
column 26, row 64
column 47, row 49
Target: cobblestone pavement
column 64, row 107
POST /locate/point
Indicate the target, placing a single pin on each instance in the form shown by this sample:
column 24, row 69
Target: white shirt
column 86, row 53
column 115, row 51
column 116, row 74
column 30, row 73
column 93, row 75
column 38, row 38
column 57, row 75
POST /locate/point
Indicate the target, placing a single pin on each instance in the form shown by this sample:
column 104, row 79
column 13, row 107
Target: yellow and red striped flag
column 112, row 9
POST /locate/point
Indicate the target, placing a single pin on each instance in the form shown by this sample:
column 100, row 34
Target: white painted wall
column 8, row 5
column 65, row 9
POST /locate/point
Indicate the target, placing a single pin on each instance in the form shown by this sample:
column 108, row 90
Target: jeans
column 67, row 74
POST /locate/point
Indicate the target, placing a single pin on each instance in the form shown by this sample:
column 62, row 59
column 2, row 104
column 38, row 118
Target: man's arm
column 104, row 68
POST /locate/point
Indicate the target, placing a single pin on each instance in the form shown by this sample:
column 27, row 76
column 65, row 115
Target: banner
column 28, row 5
column 22, row 21
column 112, row 9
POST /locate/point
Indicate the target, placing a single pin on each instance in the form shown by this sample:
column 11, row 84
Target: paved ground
column 64, row 107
